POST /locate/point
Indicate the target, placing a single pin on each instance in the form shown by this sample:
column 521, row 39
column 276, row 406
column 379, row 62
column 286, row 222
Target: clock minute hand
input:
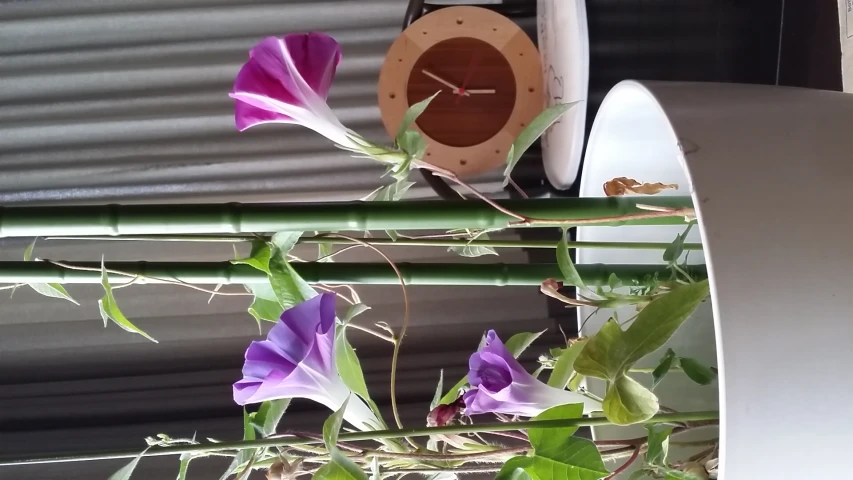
column 447, row 84
column 476, row 91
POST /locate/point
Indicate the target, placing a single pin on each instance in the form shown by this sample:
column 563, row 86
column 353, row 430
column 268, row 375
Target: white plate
column 564, row 48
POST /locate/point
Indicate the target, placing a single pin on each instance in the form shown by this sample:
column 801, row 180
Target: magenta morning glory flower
column 297, row 360
column 287, row 80
column 501, row 385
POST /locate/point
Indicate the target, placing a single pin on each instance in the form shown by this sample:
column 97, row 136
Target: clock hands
column 480, row 91
column 456, row 90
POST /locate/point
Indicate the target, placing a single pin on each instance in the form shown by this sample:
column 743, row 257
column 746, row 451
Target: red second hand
column 468, row 75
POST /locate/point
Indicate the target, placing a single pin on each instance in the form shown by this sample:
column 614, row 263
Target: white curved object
column 564, row 48
column 770, row 171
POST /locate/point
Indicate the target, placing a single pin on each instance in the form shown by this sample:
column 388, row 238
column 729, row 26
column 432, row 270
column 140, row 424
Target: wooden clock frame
column 469, row 22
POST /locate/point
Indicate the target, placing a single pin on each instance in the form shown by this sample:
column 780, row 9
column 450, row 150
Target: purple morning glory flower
column 287, row 80
column 501, row 385
column 297, row 360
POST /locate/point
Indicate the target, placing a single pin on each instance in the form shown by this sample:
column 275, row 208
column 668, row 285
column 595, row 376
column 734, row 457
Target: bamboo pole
column 389, row 242
column 259, row 218
column 495, row 274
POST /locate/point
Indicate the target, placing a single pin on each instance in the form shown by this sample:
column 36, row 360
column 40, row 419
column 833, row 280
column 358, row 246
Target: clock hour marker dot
column 391, row 95
column 497, row 151
column 463, row 162
column 459, row 21
column 429, row 154
column 531, row 89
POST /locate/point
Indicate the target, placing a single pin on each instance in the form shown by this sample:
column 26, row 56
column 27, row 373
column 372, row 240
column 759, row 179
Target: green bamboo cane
column 258, row 218
column 389, row 242
column 212, row 273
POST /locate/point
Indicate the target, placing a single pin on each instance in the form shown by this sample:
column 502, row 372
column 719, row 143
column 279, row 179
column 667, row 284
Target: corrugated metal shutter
column 126, row 100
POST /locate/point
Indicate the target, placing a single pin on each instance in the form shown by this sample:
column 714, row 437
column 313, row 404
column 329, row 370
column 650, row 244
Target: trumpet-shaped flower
column 287, row 80
column 501, row 385
column 297, row 360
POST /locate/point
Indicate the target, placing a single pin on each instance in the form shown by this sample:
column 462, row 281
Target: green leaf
column 516, row 469
column 575, row 382
column 245, row 455
column 184, row 466
column 340, row 467
column 259, row 258
column 354, row 311
column 628, row 402
column 348, row 365
column 519, row 342
column 567, row 267
column 656, row 323
column 613, row 282
column 289, row 288
column 285, row 241
column 471, row 251
column 266, row 419
column 231, row 468
column 54, row 290
column 126, row 471
column 611, row 352
column 390, row 193
column 638, row 475
column 349, row 369
column 547, row 440
column 412, row 114
column 673, row 252
column 453, row 393
column 412, row 143
column 28, row 252
column 559, row 455
column 663, row 367
column 679, row 475
column 565, row 365
column 436, row 398
column 375, row 473
column 531, row 132
column 266, row 310
column 516, row 345
column 699, row 373
column 658, row 445
column 110, row 311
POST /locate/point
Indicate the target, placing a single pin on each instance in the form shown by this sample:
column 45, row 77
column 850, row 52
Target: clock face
column 488, row 77
column 477, row 91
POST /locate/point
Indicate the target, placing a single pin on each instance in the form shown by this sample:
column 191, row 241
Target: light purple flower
column 501, row 385
column 287, row 80
column 297, row 360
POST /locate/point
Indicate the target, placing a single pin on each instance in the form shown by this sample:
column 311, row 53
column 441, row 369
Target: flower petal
column 316, row 56
column 246, row 116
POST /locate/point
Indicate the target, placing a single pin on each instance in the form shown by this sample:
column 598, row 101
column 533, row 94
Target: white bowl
column 770, row 171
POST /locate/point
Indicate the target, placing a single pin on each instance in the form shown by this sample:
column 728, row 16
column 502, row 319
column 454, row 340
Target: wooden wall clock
column 489, row 76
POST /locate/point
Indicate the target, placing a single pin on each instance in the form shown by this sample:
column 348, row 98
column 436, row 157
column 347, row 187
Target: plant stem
column 354, row 216
column 400, row 242
column 456, row 470
column 625, row 465
column 214, row 273
column 354, row 436
column 451, row 456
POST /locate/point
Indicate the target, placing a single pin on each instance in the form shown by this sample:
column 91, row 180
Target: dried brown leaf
column 624, row 185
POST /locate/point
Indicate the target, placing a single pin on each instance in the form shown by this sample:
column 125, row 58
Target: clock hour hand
column 480, row 91
column 447, row 84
